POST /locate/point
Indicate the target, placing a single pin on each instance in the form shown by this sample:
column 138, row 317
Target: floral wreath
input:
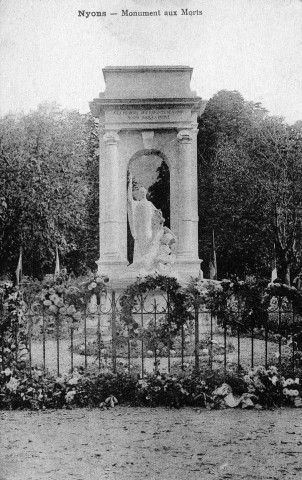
column 176, row 316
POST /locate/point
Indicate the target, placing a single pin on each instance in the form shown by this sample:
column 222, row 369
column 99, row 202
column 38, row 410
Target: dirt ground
column 136, row 443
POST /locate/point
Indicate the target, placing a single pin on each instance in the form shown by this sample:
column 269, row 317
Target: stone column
column 110, row 222
column 185, row 138
column 194, row 198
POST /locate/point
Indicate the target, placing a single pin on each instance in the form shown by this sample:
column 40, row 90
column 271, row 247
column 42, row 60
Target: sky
column 49, row 53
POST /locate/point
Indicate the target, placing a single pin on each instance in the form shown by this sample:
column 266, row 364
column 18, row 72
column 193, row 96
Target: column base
column 111, row 267
column 187, row 268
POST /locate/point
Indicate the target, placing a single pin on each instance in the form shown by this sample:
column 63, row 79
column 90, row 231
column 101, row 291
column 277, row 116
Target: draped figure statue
column 146, row 225
column 152, row 241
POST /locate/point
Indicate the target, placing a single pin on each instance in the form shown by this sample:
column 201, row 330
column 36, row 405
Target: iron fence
column 103, row 342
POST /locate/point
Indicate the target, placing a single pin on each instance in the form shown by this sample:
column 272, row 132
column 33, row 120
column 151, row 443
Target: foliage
column 44, row 185
column 226, row 117
column 90, row 242
column 249, row 188
column 61, row 299
column 13, row 326
column 163, row 390
column 235, row 303
column 64, row 299
column 272, row 389
column 177, row 312
column 159, row 192
column 36, row 390
column 20, row 388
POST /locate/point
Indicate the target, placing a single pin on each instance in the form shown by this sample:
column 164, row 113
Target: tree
column 275, row 152
column 159, row 192
column 250, row 184
column 226, row 117
column 91, row 239
column 44, row 187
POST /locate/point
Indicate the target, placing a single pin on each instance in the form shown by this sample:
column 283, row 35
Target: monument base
column 112, row 269
column 121, row 275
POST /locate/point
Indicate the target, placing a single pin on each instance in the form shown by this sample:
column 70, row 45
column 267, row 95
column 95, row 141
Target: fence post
column 17, row 339
column 211, row 342
column 71, row 348
column 238, row 346
column 169, row 338
column 43, row 339
column 85, row 336
column 2, row 350
column 239, row 319
column 293, row 342
column 279, row 330
column 29, row 343
column 155, row 354
column 142, row 325
column 266, row 340
column 58, row 343
column 2, row 333
column 252, row 340
column 182, row 346
column 196, row 351
column 113, row 331
column 225, row 346
column 129, row 351
column 98, row 302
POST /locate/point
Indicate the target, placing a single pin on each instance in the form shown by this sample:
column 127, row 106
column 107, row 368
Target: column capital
column 195, row 129
column 111, row 138
column 184, row 136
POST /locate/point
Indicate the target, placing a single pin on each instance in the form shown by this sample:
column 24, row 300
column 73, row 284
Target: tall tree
column 43, row 187
column 91, row 240
column 250, row 184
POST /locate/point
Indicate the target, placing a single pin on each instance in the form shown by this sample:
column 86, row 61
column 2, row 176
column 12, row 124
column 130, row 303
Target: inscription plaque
column 147, row 115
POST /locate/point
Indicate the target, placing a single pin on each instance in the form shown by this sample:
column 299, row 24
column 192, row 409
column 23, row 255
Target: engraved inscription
column 146, row 115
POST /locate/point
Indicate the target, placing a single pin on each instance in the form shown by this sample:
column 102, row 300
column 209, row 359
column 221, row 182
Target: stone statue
column 152, row 241
column 146, row 225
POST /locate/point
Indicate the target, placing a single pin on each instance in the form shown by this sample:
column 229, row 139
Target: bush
column 35, row 389
column 21, row 388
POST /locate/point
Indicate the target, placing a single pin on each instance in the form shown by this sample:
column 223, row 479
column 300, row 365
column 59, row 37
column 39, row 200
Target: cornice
column 104, row 104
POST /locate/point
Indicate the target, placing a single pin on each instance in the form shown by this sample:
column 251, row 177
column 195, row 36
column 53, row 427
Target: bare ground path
column 136, row 443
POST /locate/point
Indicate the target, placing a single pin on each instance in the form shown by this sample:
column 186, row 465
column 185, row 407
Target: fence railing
column 102, row 341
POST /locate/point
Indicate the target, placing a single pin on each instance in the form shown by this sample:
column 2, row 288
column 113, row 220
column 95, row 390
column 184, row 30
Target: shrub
column 21, row 388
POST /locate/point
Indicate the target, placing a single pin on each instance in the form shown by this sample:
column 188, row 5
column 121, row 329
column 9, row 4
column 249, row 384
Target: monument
column 148, row 113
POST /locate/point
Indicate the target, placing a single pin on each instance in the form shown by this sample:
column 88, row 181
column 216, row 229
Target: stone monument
column 143, row 112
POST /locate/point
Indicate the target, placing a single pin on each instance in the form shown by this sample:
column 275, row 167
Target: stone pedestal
column 147, row 111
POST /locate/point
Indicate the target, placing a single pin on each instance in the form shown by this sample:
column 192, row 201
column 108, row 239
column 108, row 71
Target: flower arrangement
column 260, row 387
column 163, row 389
column 13, row 326
column 69, row 299
column 177, row 314
column 94, row 285
column 41, row 390
column 292, row 391
column 271, row 388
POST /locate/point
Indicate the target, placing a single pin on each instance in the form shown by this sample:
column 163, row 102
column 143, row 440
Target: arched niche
column 150, row 169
